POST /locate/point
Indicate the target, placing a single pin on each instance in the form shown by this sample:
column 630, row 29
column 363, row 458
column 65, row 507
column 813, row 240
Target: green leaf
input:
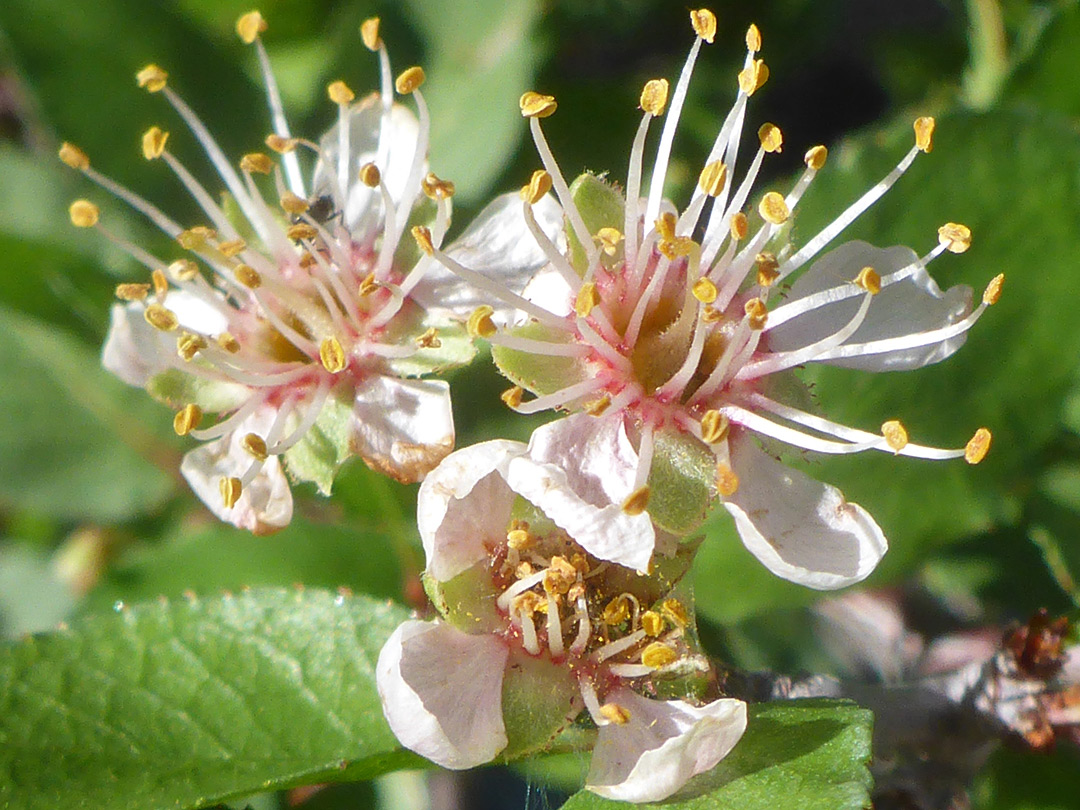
column 681, row 482
column 172, row 705
column 795, row 755
column 1041, row 79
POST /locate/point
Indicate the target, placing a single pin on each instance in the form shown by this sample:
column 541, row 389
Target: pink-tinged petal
column 498, row 244
column 441, row 692
column 662, row 745
column 402, row 428
column 266, row 503
column 906, row 307
column 463, row 503
column 801, row 529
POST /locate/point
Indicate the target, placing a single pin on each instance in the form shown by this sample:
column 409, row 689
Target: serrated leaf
column 681, row 482
column 173, row 705
column 795, row 755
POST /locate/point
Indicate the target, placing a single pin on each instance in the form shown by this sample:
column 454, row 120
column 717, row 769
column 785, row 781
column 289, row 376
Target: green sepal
column 601, row 205
column 539, row 700
column 538, row 373
column 467, row 601
column 455, row 349
column 682, row 481
column 177, row 389
column 325, row 447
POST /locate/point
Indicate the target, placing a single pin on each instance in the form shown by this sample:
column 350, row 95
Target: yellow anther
column 637, row 501
column 161, row 284
column 652, row 623
column 654, row 96
column 189, row 345
column 616, row 611
column 480, row 323
column 369, row 34
column 256, row 163
column 727, row 482
column 869, row 280
column 924, row 134
column 539, row 185
column 84, row 214
column 249, row 26
column 614, row 713
column 771, row 138
column 301, row 231
column 955, row 238
column 74, row 157
column 231, row 490
column 768, row 269
column 132, row 292
column 993, row 290
column 679, row 246
column 559, row 576
column 977, row 448
column 580, row 563
column 409, row 80
column 595, row 407
column 183, row 270
column 340, row 93
column 740, row 226
column 187, row 419
column 436, row 188
column 753, row 38
column 368, row 285
column 248, row 276
column 196, row 238
column 429, row 340
column 232, row 248
column 710, row 314
column 774, row 208
column 712, row 178
column 752, row 78
column 665, row 225
column 896, row 435
column 587, row 298
column 704, row 22
column 658, row 655
column 704, row 290
column 152, row 78
column 255, row 446
column 756, row 313
column 281, row 145
column 536, row 105
column 160, row 318
column 512, row 396
column 293, row 204
column 228, row 343
column 153, row 143
column 518, row 539
column 815, row 157
column 332, row 355
column 714, row 427
column 609, row 239
column 422, row 235
column 675, row 612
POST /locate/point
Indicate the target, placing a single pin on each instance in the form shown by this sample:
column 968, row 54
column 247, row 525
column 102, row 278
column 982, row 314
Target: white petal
column 402, row 428
column 498, row 244
column 548, row 289
column 906, row 307
column 441, row 692
column 266, row 503
column 801, row 529
column 463, row 503
column 663, row 745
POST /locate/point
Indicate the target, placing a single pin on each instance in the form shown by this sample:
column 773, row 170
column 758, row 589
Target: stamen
column 652, row 623
column 84, row 214
column 332, row 355
column 978, row 446
column 614, row 713
column 658, row 655
column 605, row 652
column 954, row 237
column 896, row 435
column 727, row 482
column 714, row 427
column 554, row 627
column 231, row 489
column 187, row 419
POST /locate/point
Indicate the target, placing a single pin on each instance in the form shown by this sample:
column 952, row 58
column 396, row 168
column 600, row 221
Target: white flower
column 542, row 618
column 308, row 314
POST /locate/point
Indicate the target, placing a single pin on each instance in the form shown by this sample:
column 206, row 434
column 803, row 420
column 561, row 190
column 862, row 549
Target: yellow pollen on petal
column 152, row 78
column 255, row 446
column 539, row 185
column 652, row 623
column 256, row 163
column 752, row 78
column 587, row 298
column 248, row 276
column 740, row 226
column 512, row 396
column 896, row 435
column 332, row 355
column 74, row 157
column 654, row 96
column 955, row 238
column 773, row 208
column 422, row 235
column 704, row 23
column 436, row 188
column 675, row 612
column 293, row 204
column 815, row 157
column 753, row 38
column 614, row 713
column 228, row 343
column 978, row 446
column 768, row 269
column 609, row 239
column 429, row 340
column 369, row 34
column 187, row 419
column 993, row 290
column 189, row 345
column 712, row 178
column 162, row 319
column 132, row 292
column 368, row 285
column 704, row 290
column 340, row 93
column 409, row 80
column 727, row 482
column 595, row 407
column 232, row 248
column 536, row 105
column 658, row 655
column 249, row 26
column 924, row 133
column 869, row 280
column 231, row 490
column 195, row 238
column 161, row 284
column 281, row 145
column 480, row 323
column 84, row 214
column 714, row 427
column 756, row 313
column 616, row 611
column 183, row 270
column 301, row 231
column 771, row 138
column 637, row 501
